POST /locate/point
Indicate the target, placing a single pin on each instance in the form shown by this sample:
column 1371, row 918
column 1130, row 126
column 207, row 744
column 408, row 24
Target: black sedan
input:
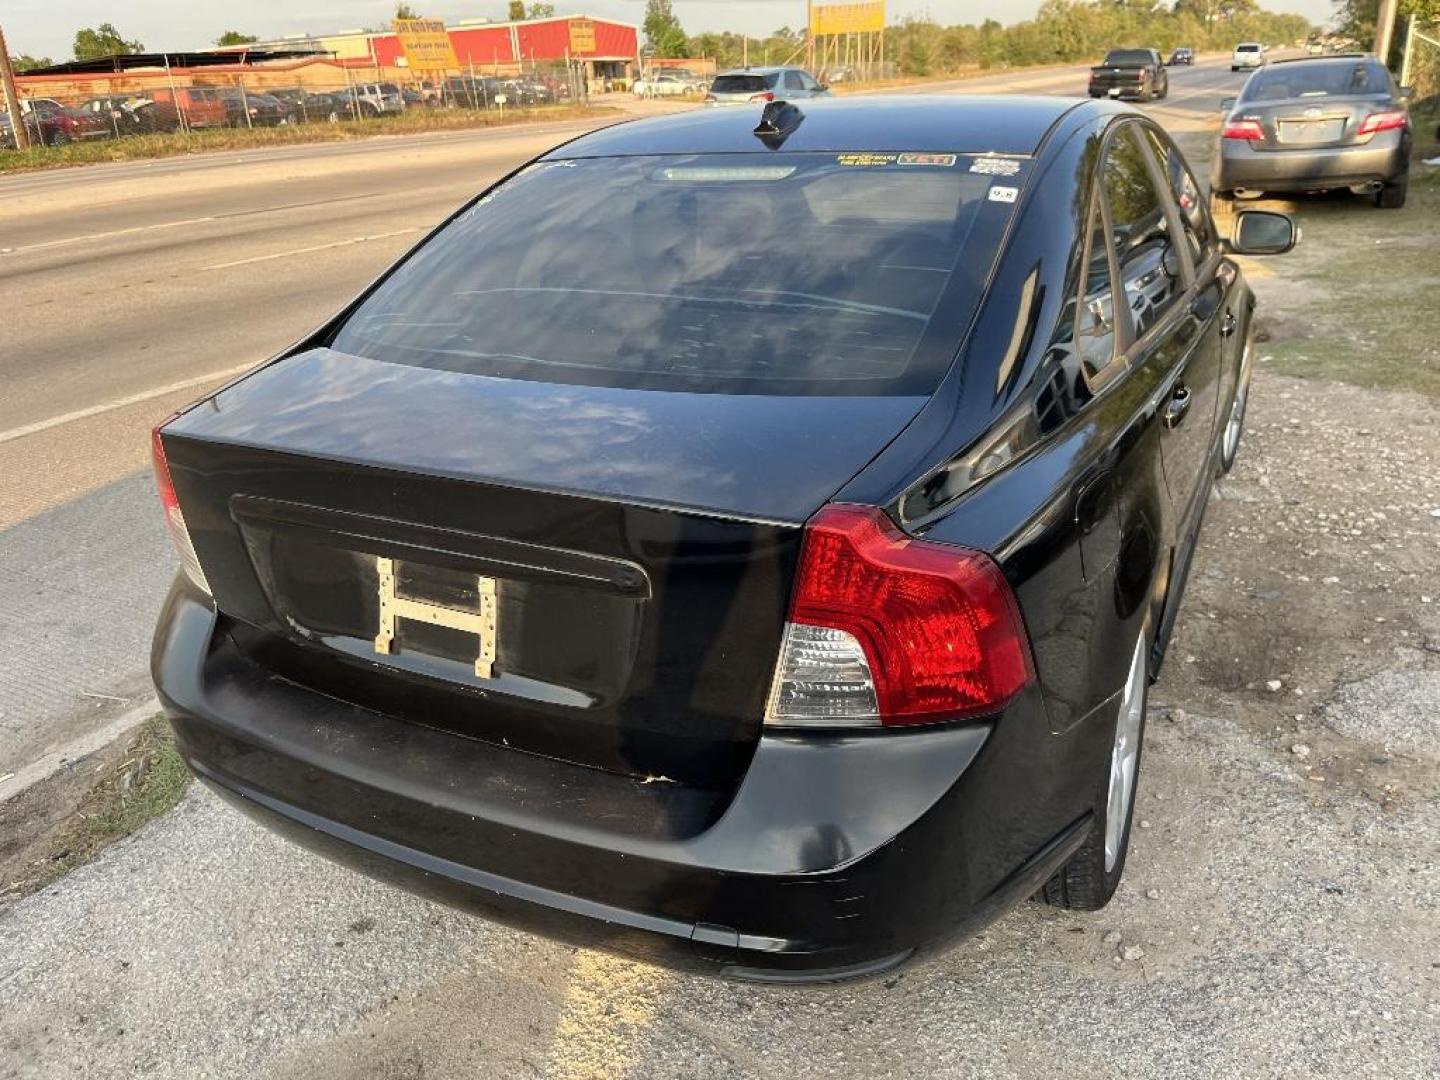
column 1182, row 56
column 1317, row 125
column 741, row 547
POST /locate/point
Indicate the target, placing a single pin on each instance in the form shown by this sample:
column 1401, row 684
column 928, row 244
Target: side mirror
column 1226, row 104
column 824, row 86
column 1406, row 93
column 1263, row 232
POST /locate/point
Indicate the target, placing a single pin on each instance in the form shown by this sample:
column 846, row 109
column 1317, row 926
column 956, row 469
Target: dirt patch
column 60, row 823
column 1319, row 569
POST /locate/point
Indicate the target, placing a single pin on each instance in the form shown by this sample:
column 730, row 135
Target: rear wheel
column 1392, row 195
column 1089, row 879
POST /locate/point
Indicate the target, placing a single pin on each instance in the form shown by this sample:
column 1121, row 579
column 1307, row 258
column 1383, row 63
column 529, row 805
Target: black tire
column 1083, row 883
column 1392, row 195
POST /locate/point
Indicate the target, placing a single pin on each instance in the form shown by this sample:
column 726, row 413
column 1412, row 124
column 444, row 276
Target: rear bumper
column 1304, row 169
column 834, row 858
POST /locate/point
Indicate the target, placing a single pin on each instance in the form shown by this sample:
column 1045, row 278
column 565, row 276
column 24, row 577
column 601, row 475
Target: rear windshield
column 721, row 273
column 1283, row 81
column 1247, row 48
column 743, row 84
column 1120, row 57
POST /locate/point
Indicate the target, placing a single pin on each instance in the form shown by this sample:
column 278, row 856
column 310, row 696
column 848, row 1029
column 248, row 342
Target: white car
column 1248, row 54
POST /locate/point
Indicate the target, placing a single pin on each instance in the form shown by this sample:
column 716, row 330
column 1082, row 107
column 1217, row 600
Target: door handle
column 1178, row 406
column 1228, row 323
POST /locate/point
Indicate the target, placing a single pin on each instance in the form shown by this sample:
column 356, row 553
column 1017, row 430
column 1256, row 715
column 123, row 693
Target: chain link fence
column 61, row 110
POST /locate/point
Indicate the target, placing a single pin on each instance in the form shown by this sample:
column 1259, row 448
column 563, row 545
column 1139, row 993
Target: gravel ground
column 1280, row 915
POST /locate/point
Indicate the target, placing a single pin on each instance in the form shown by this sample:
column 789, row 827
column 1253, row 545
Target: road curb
column 56, row 760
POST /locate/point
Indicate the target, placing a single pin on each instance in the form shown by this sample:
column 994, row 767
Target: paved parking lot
column 1279, row 914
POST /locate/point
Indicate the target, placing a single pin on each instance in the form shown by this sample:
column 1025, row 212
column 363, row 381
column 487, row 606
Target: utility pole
column 1385, row 30
column 12, row 99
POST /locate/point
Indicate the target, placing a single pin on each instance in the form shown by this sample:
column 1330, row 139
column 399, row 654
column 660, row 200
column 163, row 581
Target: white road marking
column 105, row 235
column 120, row 403
column 315, row 247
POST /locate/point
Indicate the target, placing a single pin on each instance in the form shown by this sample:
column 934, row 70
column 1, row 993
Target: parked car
column 199, row 106
column 766, row 573
column 50, row 123
column 309, row 106
column 472, row 92
column 377, row 99
column 1183, row 56
column 1248, row 54
column 668, row 82
column 1315, row 125
column 1130, row 73
column 743, row 86
column 252, row 108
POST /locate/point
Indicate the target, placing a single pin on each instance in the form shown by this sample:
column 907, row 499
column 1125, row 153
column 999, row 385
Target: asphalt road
column 206, row 947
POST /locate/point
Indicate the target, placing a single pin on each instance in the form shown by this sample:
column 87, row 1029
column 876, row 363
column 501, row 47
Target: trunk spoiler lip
column 179, row 436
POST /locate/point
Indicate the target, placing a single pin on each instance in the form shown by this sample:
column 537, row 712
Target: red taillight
column 174, row 519
column 1382, row 121
column 887, row 629
column 769, row 95
column 1249, row 130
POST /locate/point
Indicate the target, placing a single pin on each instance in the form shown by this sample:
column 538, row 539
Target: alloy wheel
column 1125, row 757
column 1236, row 423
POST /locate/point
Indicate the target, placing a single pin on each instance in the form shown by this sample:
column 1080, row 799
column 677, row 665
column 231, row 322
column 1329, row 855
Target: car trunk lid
column 1311, row 122
column 632, row 550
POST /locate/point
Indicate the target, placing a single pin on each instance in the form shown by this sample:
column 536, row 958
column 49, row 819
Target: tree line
column 1062, row 31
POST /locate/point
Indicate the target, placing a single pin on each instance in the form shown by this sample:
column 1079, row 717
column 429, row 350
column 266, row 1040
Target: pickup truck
column 1130, row 73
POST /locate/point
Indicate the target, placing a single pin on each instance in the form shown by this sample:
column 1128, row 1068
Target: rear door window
column 1194, row 214
column 1096, row 339
column 793, row 81
column 1146, row 256
column 839, row 274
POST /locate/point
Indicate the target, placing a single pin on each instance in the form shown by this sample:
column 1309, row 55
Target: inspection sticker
column 865, row 159
column 995, row 166
column 1003, row 194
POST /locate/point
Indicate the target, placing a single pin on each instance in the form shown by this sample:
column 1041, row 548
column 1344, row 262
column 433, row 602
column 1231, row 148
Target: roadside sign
column 426, row 44
column 827, row 19
column 582, row 36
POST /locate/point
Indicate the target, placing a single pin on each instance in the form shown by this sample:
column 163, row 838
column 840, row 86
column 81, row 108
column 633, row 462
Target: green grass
column 147, row 781
column 142, row 147
column 1361, row 297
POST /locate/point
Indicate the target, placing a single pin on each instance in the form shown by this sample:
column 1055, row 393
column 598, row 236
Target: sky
column 47, row 27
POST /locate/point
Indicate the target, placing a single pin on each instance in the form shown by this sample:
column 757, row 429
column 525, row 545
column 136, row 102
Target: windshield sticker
column 995, row 166
column 944, row 160
column 1003, row 194
column 865, row 159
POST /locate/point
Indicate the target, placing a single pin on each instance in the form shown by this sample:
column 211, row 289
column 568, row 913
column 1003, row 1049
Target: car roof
column 959, row 124
column 756, row 70
column 1336, row 58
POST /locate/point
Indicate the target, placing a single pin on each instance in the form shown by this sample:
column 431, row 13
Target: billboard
column 426, row 45
column 582, row 36
column 827, row 19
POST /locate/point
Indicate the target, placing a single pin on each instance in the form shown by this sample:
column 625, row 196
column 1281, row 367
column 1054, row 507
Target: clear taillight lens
column 885, row 629
column 174, row 519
